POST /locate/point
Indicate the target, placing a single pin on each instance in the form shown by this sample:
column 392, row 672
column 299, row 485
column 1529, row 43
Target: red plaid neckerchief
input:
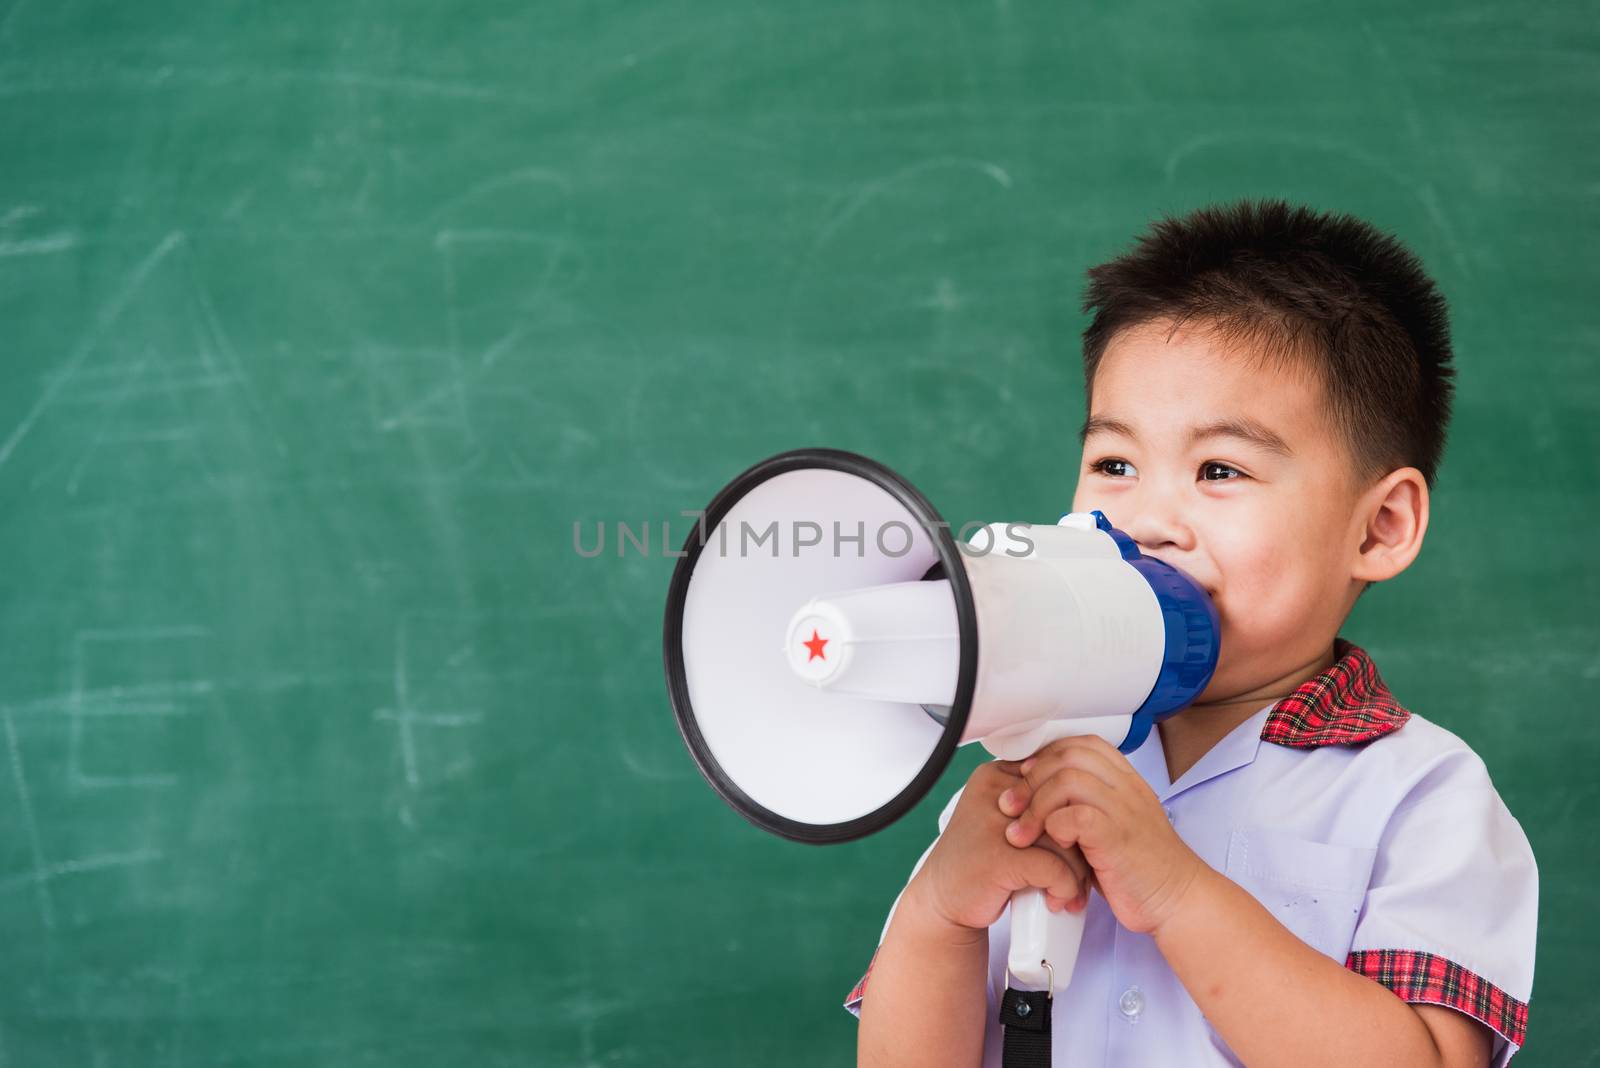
column 1346, row 705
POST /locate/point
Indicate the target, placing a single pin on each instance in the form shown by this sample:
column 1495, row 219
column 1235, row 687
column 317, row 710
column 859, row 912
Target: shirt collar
column 1236, row 749
column 1346, row 705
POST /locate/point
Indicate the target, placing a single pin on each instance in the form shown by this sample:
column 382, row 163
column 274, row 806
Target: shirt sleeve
column 1452, row 908
column 852, row 1001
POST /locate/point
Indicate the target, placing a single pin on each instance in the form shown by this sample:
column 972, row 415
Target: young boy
column 1294, row 870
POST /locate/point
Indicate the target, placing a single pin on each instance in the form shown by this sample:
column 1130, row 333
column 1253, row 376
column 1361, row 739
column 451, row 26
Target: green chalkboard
column 321, row 325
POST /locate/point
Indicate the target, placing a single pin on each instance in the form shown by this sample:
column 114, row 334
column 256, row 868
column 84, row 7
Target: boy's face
column 1230, row 469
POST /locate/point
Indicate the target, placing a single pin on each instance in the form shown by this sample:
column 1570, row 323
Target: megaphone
column 829, row 642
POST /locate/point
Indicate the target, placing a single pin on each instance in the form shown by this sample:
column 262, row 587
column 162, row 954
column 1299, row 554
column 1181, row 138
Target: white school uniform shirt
column 1373, row 834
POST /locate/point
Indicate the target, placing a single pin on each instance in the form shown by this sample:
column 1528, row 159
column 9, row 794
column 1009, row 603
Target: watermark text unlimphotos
column 791, row 538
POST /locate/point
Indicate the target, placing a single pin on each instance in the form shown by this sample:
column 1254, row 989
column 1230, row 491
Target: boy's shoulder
column 1424, row 753
column 1348, row 714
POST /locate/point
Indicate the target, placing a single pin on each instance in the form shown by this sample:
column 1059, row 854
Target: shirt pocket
column 1315, row 889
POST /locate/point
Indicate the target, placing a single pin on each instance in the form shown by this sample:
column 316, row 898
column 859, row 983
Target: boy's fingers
column 1067, row 904
column 1069, row 853
column 1023, row 834
column 1014, row 800
column 1086, row 751
column 1066, row 827
column 1052, row 761
column 1045, row 764
column 1074, row 858
column 1069, row 787
column 1080, row 867
column 1048, row 871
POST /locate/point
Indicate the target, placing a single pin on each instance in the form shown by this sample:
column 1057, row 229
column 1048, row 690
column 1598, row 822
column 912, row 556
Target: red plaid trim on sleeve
column 859, row 991
column 1434, row 980
column 1346, row 705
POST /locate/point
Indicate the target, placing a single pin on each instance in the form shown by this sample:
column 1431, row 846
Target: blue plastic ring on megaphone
column 1193, row 634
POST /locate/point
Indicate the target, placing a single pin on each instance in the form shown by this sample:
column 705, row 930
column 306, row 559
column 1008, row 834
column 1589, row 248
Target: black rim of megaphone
column 966, row 619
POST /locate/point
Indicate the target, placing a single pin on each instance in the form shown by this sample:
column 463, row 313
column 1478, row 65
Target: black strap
column 1025, row 1015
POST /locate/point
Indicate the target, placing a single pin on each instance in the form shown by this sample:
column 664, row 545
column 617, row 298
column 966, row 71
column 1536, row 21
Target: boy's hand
column 1082, row 792
column 973, row 871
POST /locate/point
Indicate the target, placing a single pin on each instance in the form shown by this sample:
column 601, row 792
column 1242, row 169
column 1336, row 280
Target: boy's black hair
column 1330, row 290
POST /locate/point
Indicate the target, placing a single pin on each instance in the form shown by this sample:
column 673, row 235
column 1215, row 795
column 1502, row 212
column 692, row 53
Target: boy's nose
column 1157, row 527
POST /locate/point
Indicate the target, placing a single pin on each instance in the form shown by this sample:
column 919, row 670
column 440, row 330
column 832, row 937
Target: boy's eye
column 1212, row 471
column 1113, row 468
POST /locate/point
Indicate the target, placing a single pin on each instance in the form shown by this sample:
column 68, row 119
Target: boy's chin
column 1242, row 678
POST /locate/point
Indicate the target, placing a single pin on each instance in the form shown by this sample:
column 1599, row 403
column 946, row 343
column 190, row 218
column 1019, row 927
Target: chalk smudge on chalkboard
column 133, row 713
column 104, row 317
column 406, row 716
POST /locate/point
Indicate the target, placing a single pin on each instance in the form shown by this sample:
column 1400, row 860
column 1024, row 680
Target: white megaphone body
column 829, row 643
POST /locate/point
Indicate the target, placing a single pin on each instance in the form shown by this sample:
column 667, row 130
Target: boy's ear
column 1394, row 516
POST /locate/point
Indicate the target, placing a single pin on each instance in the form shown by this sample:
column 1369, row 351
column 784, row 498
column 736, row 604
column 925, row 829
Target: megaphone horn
column 829, row 643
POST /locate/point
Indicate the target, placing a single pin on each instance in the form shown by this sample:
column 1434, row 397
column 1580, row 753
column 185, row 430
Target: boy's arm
column 1273, row 998
column 1250, row 975
column 1277, row 1001
column 928, row 998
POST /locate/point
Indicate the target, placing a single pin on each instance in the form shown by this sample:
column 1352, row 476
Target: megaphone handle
column 1044, row 944
column 1044, row 949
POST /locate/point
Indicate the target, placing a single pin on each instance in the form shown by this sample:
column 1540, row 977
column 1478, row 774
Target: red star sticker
column 815, row 645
